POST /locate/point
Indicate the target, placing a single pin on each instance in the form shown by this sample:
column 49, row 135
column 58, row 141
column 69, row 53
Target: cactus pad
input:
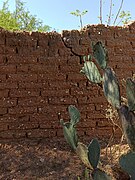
column 91, row 72
column 100, row 54
column 111, row 88
column 82, row 152
column 70, row 134
column 128, row 125
column 74, row 114
column 127, row 163
column 94, row 153
column 130, row 91
column 100, row 175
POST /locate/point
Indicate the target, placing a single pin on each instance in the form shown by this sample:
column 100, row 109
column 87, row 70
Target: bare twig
column 101, row 21
column 110, row 13
column 118, row 12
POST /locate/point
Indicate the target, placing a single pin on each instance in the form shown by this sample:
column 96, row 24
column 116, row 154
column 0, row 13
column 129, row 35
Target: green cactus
column 74, row 115
column 70, row 134
column 127, row 163
column 82, row 152
column 94, row 153
column 130, row 91
column 69, row 130
column 128, row 125
column 100, row 55
column 111, row 88
column 91, row 72
column 100, row 175
column 94, row 157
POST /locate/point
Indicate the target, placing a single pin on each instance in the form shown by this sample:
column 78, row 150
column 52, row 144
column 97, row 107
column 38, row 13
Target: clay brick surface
column 40, row 77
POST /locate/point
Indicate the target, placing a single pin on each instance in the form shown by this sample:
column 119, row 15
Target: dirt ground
column 50, row 159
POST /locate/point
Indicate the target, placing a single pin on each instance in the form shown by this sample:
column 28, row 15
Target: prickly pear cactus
column 100, row 175
column 70, row 134
column 100, row 54
column 91, row 72
column 130, row 91
column 127, row 163
column 128, row 125
column 82, row 152
column 111, row 88
column 74, row 114
column 94, row 153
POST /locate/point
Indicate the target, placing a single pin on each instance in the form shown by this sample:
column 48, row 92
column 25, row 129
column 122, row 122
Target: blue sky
column 56, row 13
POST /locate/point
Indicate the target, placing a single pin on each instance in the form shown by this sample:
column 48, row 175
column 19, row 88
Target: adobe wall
column 40, row 77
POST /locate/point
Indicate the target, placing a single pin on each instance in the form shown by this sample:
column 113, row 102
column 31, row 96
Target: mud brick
column 46, row 117
column 32, row 101
column 12, row 41
column 103, row 132
column 97, row 100
column 7, row 69
column 33, row 85
column 11, row 50
column 2, row 77
column 14, row 118
column 6, row 134
column 41, row 133
column 3, row 126
column 22, row 110
column 51, row 76
column 7, row 102
column 39, row 68
column 2, row 38
column 50, row 124
column 103, row 122
column 7, row 85
column 60, row 85
column 2, row 49
column 81, row 91
column 3, row 111
column 96, row 115
column 22, row 77
column 87, row 108
column 25, row 125
column 62, row 100
column 18, row 59
column 13, row 134
column 23, row 93
column 85, row 123
column 56, row 93
column 75, row 77
column 2, row 59
column 4, row 93
column 22, row 68
column 70, row 68
column 73, row 60
column 55, row 109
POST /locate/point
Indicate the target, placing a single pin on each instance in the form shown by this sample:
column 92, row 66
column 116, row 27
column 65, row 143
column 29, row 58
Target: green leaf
column 94, row 153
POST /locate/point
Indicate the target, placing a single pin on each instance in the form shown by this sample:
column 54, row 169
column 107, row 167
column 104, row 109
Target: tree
column 27, row 21
column 20, row 19
column 122, row 16
column 7, row 19
column 79, row 14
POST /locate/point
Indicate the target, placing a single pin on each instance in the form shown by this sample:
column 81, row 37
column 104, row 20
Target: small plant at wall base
column 126, row 113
